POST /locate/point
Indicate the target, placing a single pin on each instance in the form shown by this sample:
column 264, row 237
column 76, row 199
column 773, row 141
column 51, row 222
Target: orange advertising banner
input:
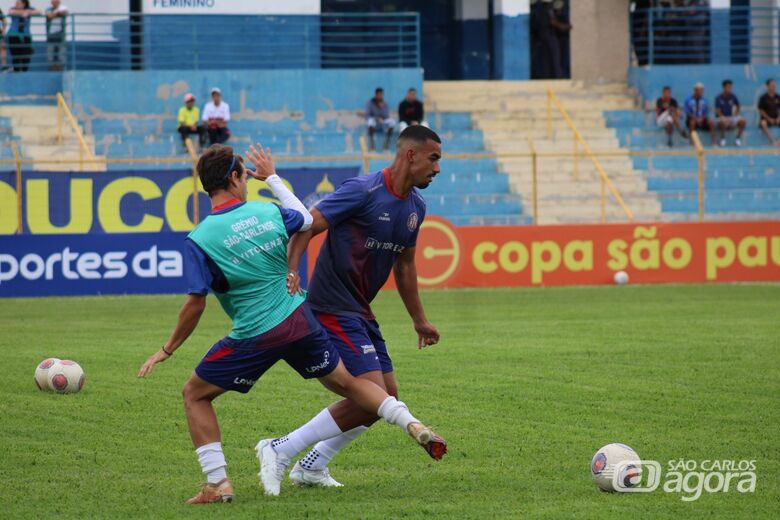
column 508, row 256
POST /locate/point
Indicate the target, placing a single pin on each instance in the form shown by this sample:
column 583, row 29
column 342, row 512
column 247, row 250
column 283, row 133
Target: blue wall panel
column 29, row 87
column 304, row 92
column 511, row 52
column 748, row 80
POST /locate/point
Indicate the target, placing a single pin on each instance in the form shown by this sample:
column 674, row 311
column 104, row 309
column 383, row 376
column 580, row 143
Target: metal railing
column 605, row 181
column 136, row 41
column 64, row 110
column 700, row 34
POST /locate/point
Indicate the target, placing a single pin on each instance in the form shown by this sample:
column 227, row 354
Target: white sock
column 396, row 412
column 321, row 427
column 212, row 460
column 319, row 457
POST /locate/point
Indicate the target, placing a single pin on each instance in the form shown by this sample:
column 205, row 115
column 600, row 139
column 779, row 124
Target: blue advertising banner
column 115, row 232
column 43, row 265
column 69, row 265
column 142, row 201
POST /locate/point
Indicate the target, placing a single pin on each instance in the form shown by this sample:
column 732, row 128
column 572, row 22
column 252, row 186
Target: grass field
column 525, row 385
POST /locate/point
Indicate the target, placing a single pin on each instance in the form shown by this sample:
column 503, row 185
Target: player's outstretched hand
column 263, row 161
column 294, row 283
column 427, row 335
column 157, row 357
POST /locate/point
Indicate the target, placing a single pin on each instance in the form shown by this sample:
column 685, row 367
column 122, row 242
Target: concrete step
column 71, row 163
column 530, row 124
column 477, row 86
column 39, row 151
column 567, row 146
column 48, row 136
column 610, row 164
column 494, row 105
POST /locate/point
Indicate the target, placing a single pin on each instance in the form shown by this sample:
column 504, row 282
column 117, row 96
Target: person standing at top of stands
column 3, row 27
column 189, row 119
column 727, row 112
column 216, row 114
column 667, row 115
column 697, row 112
column 545, row 25
column 55, row 34
column 769, row 111
column 411, row 111
column 19, row 38
column 378, row 118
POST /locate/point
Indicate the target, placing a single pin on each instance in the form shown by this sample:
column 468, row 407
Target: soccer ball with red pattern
column 605, row 462
column 42, row 373
column 66, row 377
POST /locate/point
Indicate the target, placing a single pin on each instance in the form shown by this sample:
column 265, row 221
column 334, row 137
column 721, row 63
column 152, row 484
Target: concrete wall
column 511, row 40
column 599, row 40
column 292, row 99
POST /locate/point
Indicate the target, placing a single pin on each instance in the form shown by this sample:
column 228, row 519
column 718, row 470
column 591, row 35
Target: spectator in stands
column 3, row 28
column 727, row 111
column 19, row 38
column 667, row 114
column 411, row 111
column 55, row 34
column 216, row 114
column 545, row 42
column 563, row 27
column 697, row 112
column 189, row 119
column 378, row 118
column 769, row 111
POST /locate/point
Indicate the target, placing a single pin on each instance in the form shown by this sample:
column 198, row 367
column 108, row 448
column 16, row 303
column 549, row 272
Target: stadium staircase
column 510, row 113
column 34, row 128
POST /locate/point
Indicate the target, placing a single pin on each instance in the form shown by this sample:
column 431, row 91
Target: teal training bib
column 249, row 244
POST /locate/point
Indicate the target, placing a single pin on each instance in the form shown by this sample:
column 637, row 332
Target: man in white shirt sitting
column 216, row 114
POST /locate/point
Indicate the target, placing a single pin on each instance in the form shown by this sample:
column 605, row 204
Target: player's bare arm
column 189, row 316
column 405, row 273
column 297, row 247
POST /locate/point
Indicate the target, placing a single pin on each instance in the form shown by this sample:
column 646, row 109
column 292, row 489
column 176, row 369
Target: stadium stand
column 473, row 117
column 738, row 186
column 510, row 113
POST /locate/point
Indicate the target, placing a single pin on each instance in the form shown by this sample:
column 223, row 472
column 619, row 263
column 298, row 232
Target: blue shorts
column 237, row 364
column 359, row 342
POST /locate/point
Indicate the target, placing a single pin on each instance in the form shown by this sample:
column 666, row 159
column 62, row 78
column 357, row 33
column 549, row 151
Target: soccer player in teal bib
column 240, row 253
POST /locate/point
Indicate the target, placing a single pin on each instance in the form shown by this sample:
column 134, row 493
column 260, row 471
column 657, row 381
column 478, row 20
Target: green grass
column 525, row 385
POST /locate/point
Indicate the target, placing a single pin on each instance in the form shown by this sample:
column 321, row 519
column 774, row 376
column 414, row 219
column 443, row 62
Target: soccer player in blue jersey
column 240, row 253
column 372, row 224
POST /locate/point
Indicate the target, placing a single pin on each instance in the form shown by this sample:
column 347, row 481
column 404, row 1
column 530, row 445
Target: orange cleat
column 222, row 491
column 432, row 443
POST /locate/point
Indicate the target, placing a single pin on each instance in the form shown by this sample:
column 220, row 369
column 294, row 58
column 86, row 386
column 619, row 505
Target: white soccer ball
column 604, row 465
column 621, row 278
column 66, row 377
column 42, row 373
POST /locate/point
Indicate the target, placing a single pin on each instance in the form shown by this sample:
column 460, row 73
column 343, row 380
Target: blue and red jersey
column 370, row 225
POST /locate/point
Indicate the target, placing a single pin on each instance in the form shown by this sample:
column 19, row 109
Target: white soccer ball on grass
column 605, row 462
column 66, row 377
column 42, row 373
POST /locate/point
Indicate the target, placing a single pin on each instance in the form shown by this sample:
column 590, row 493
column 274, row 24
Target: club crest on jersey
column 412, row 222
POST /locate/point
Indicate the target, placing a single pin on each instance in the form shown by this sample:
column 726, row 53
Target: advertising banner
column 44, row 265
column 511, row 256
column 142, row 201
